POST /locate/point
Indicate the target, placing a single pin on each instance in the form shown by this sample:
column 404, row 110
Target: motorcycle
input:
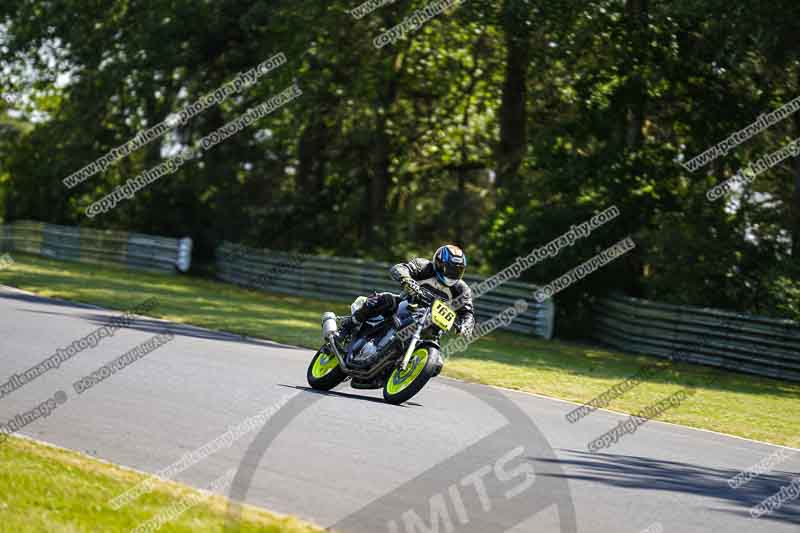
column 379, row 354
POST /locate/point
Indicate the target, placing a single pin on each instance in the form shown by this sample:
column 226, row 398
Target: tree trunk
column 513, row 116
column 634, row 94
column 312, row 159
column 794, row 209
column 379, row 173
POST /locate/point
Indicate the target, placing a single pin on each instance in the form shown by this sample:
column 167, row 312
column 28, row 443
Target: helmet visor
column 453, row 271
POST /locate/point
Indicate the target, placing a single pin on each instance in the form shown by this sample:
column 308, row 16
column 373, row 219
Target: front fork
column 412, row 344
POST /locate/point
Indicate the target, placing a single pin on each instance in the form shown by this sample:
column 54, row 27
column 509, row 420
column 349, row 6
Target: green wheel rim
column 399, row 380
column 323, row 365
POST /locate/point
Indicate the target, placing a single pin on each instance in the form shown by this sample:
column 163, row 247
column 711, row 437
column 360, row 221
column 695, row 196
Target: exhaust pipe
column 329, row 327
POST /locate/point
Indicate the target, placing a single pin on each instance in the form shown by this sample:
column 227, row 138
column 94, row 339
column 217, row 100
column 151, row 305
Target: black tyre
column 324, row 372
column 402, row 386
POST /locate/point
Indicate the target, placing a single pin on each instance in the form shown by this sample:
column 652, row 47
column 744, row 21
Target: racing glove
column 463, row 327
column 410, row 287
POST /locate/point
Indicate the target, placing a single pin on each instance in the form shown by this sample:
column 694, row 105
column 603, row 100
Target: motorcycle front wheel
column 403, row 385
column 324, row 372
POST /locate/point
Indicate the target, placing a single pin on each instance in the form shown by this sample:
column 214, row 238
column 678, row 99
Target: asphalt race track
column 483, row 459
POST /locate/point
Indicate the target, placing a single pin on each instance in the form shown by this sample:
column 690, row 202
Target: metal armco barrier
column 338, row 278
column 70, row 243
column 744, row 343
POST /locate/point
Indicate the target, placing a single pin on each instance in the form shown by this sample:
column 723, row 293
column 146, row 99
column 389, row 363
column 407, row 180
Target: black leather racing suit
column 459, row 296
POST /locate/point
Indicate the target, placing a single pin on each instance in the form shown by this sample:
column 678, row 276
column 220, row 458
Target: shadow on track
column 347, row 395
column 633, row 472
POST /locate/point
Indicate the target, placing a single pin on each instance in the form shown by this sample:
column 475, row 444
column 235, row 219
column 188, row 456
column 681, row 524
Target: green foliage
column 496, row 125
column 782, row 294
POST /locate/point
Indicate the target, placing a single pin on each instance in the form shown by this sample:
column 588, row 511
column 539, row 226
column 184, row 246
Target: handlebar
column 424, row 297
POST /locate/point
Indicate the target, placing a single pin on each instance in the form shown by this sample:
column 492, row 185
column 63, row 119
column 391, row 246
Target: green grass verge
column 739, row 404
column 50, row 490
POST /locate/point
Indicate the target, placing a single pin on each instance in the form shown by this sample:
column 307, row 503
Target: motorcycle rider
column 441, row 276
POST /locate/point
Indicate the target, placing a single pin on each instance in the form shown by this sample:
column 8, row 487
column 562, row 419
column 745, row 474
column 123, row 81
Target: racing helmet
column 449, row 264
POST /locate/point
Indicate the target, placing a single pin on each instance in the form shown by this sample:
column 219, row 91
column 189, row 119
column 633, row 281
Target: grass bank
column 49, row 490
